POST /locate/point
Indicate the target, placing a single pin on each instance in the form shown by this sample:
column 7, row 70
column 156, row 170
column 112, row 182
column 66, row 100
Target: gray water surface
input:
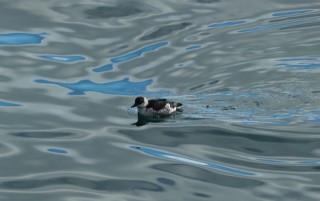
column 247, row 73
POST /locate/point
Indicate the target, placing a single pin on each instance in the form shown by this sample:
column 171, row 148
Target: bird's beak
column 134, row 105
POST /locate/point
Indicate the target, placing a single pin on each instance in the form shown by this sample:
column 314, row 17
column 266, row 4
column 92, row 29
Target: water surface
column 247, row 73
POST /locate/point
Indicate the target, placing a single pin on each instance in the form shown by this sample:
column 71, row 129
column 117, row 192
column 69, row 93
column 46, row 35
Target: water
column 247, row 73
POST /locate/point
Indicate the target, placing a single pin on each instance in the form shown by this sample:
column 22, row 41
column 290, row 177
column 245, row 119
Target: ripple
column 7, row 150
column 120, row 10
column 251, row 108
column 292, row 162
column 48, row 134
column 139, row 52
column 304, row 25
column 96, row 184
column 165, row 30
column 278, row 25
column 199, row 174
column 311, row 14
column 193, row 47
column 7, row 104
column 290, row 19
column 166, row 181
column 201, row 195
column 57, row 151
column 228, row 24
column 106, row 67
column 208, row 1
column 63, row 58
column 106, row 14
column 304, row 64
column 133, row 55
column 66, row 152
column 183, row 159
column 292, row 12
column 220, row 143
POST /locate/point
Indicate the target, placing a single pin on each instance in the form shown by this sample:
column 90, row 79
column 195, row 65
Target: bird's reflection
column 143, row 120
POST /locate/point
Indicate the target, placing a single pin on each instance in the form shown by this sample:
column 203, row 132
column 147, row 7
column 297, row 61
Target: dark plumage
column 139, row 100
column 158, row 104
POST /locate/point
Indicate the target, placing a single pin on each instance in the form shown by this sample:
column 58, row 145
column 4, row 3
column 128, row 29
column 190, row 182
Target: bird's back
column 158, row 104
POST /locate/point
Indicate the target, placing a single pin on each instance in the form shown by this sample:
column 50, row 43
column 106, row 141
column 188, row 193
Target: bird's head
column 140, row 102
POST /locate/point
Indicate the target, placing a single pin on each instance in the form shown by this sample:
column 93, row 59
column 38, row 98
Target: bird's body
column 155, row 107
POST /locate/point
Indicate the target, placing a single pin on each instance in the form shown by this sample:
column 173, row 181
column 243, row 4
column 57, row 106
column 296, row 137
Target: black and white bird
column 155, row 107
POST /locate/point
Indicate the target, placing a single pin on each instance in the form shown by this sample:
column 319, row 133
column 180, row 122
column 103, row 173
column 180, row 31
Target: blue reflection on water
column 57, row 151
column 288, row 162
column 169, row 156
column 301, row 66
column 130, row 56
column 298, row 59
column 265, row 27
column 63, row 58
column 121, row 87
column 290, row 13
column 227, row 24
column 103, row 68
column 20, row 39
column 300, row 63
column 139, row 52
column 312, row 162
column 314, row 116
column 8, row 104
column 271, row 161
column 277, row 25
column 192, row 47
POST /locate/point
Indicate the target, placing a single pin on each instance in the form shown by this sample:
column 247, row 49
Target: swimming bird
column 155, row 107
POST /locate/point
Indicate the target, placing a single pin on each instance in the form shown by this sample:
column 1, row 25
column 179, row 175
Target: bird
column 155, row 107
